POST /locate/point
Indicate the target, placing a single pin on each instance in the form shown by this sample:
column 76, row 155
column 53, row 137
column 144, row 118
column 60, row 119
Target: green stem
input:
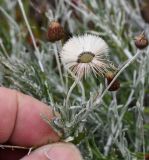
column 58, row 64
column 70, row 91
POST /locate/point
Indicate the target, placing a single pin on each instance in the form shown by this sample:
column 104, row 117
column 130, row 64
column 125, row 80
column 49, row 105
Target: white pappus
column 86, row 53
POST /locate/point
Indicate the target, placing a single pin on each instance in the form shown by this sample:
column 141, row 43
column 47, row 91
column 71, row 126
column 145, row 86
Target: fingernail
column 57, row 151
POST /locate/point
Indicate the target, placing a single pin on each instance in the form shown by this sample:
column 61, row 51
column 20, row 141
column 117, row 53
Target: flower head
column 141, row 41
column 115, row 85
column 86, row 53
column 55, row 31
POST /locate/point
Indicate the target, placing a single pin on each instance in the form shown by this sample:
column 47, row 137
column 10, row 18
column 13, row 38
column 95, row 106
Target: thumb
column 57, row 151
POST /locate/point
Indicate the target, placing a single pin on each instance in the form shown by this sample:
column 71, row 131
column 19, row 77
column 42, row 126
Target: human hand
column 22, row 125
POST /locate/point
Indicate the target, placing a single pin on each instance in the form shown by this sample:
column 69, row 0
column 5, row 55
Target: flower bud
column 55, row 32
column 141, row 41
column 115, row 85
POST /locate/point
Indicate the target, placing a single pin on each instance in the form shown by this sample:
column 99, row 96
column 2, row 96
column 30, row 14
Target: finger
column 21, row 122
column 59, row 151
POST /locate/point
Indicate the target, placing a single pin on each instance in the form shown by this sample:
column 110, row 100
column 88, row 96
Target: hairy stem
column 58, row 64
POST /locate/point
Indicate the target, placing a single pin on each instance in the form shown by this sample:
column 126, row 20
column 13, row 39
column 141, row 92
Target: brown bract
column 141, row 41
column 116, row 84
column 55, row 32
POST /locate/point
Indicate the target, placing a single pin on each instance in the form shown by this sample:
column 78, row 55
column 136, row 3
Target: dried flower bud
column 116, row 84
column 141, row 41
column 55, row 31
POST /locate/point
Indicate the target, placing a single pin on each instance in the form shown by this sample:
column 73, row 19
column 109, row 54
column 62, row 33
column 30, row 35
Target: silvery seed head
column 83, row 54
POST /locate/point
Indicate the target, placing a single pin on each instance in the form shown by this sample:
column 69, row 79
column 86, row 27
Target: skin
column 21, row 124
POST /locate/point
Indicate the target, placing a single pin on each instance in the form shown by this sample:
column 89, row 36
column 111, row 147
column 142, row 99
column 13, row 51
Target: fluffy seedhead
column 86, row 53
